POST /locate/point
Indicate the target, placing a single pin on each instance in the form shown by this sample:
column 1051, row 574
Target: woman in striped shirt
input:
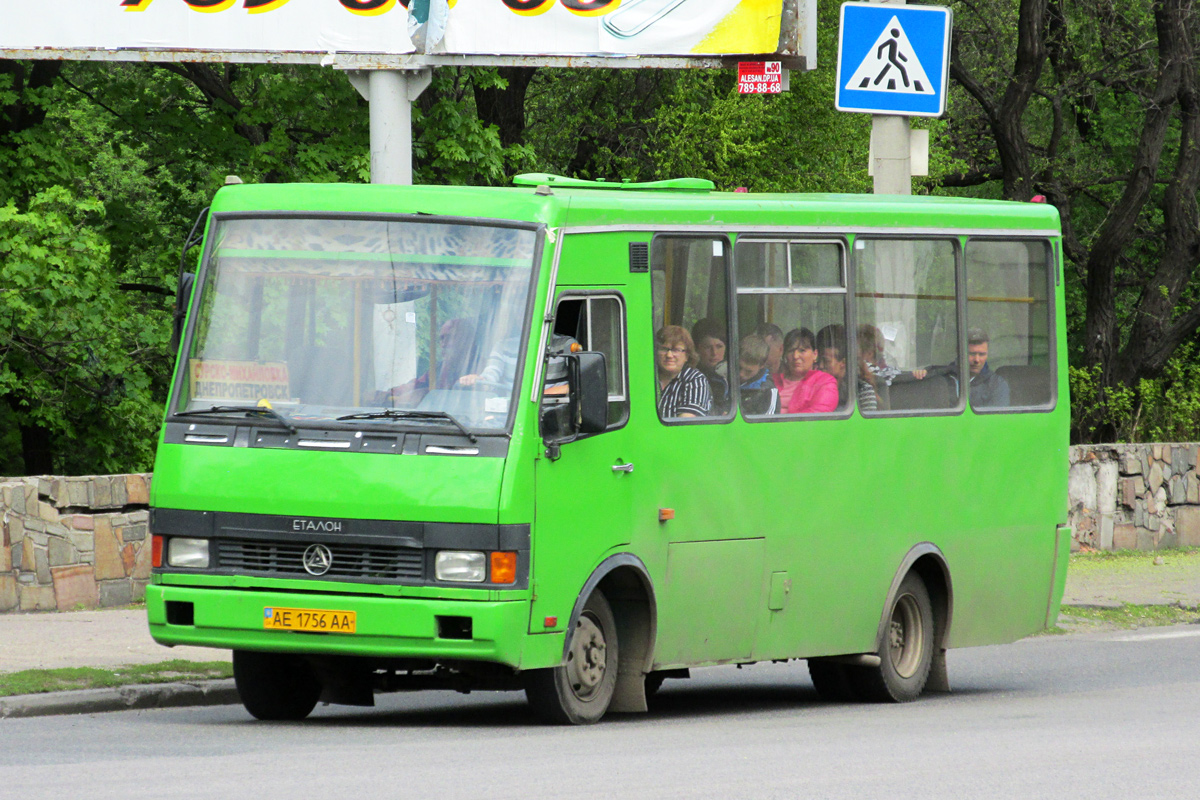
column 683, row 391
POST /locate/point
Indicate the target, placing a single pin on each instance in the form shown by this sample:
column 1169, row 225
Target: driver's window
column 595, row 323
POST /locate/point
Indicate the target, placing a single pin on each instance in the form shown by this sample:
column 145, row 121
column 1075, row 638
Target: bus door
column 584, row 488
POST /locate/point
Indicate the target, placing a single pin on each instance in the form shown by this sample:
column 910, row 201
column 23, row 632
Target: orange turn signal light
column 550, row 622
column 665, row 514
column 504, row 567
column 156, row 548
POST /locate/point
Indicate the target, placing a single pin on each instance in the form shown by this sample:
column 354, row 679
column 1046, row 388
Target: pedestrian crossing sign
column 893, row 59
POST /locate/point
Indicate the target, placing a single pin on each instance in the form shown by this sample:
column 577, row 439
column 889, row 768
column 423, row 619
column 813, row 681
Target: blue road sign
column 893, row 59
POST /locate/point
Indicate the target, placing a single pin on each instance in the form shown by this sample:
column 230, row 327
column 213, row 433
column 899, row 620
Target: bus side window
column 791, row 295
column 908, row 322
column 596, row 323
column 692, row 356
column 1009, row 324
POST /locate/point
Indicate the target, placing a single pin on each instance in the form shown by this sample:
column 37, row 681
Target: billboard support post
column 390, row 94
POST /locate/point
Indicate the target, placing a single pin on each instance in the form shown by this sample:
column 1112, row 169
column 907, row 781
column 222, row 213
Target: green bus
column 577, row 437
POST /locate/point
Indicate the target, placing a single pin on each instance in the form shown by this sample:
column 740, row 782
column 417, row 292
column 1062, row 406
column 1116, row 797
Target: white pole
column 891, row 148
column 391, row 127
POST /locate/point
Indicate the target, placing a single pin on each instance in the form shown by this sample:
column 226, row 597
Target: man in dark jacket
column 987, row 388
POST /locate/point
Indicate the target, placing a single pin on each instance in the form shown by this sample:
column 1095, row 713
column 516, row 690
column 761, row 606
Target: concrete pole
column 891, row 148
column 391, row 127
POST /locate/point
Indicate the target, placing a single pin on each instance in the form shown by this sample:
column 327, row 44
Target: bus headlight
column 460, row 566
column 187, row 553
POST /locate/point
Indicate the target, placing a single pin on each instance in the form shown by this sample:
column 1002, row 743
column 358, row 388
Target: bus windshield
column 326, row 318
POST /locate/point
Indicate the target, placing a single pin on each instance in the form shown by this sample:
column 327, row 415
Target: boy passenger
column 683, row 390
column 773, row 336
column 709, row 337
column 759, row 395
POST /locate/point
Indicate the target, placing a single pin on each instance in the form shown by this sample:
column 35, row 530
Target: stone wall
column 70, row 543
column 1135, row 496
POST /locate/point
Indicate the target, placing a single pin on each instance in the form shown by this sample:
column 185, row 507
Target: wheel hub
column 906, row 636
column 587, row 658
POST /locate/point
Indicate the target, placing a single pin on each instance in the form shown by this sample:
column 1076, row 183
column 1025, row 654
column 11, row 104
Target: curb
column 122, row 698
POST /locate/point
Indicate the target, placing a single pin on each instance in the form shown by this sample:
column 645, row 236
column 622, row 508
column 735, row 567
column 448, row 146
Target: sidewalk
column 108, row 639
column 50, row 640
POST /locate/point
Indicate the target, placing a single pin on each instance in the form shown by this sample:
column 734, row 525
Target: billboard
column 467, row 31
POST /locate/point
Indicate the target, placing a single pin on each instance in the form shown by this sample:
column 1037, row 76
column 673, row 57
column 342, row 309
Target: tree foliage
column 103, row 167
column 1096, row 106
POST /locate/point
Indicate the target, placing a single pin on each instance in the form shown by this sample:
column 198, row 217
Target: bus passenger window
column 1009, row 324
column 798, row 287
column 692, row 357
column 908, row 324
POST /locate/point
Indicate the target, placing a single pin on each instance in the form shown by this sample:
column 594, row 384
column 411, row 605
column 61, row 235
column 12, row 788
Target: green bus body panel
column 787, row 534
column 327, row 484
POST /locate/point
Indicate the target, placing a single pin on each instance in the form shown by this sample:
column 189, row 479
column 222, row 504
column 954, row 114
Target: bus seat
column 935, row 391
column 1028, row 385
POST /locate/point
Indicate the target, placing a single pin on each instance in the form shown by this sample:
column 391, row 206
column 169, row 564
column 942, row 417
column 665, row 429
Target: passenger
column 759, row 395
column 987, row 388
column 803, row 389
column 869, row 397
column 683, row 391
column 709, row 337
column 774, row 339
column 871, row 347
column 831, row 357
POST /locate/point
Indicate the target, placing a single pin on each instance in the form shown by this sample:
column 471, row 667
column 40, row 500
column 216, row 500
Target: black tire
column 654, row 682
column 578, row 692
column 832, row 681
column 275, row 686
column 906, row 653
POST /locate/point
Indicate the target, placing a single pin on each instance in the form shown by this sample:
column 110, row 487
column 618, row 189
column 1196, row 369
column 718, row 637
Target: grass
column 1133, row 616
column 37, row 681
column 1132, row 559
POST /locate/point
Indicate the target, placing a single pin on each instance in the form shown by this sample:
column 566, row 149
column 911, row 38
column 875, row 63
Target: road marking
column 1150, row 636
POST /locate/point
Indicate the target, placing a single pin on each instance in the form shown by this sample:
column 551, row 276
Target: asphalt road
column 1113, row 715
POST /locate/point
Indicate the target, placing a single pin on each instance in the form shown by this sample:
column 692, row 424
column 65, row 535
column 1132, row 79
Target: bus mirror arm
column 586, row 409
column 182, row 295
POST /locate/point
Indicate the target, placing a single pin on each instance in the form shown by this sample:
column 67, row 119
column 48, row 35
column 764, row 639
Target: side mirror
column 585, row 406
column 590, row 392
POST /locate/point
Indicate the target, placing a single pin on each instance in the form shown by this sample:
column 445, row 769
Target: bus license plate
column 309, row 620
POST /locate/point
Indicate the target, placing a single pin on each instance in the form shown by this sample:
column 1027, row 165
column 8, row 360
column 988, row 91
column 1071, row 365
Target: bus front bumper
column 385, row 627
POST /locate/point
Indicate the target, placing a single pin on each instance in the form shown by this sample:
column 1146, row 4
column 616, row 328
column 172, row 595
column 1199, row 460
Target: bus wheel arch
column 625, row 584
column 925, row 562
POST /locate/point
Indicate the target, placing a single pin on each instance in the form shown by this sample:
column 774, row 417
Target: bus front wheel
column 906, row 654
column 578, row 691
column 275, row 686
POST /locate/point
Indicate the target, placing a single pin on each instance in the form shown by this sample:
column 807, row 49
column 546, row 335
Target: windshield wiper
column 250, row 411
column 393, row 413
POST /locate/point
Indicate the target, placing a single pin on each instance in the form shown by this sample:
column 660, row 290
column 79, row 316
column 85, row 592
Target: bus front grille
column 348, row 561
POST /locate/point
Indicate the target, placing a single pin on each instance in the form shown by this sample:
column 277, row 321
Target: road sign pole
column 892, row 154
column 890, row 146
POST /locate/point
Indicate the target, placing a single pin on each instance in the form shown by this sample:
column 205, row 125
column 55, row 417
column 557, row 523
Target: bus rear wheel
column 906, row 654
column 578, row 692
column 275, row 686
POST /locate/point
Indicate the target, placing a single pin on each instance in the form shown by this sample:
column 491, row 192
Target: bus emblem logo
column 317, row 559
